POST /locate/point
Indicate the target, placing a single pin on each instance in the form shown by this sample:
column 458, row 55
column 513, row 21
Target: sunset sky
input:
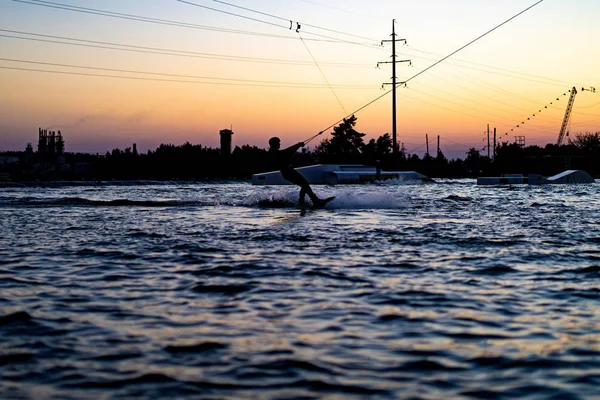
column 109, row 73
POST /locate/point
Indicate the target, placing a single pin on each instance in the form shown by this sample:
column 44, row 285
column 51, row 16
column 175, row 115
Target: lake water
column 192, row 290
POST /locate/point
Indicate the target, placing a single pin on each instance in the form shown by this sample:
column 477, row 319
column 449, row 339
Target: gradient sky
column 108, row 82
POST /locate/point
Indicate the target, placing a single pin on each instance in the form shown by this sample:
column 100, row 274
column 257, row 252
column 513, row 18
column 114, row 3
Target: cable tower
column 394, row 83
column 567, row 117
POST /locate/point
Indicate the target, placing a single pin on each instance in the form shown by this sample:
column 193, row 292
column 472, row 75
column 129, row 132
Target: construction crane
column 567, row 117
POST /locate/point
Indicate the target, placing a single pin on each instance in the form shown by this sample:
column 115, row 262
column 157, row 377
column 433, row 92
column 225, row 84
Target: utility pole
column 393, row 62
column 494, row 144
column 427, row 142
column 438, row 149
column 488, row 141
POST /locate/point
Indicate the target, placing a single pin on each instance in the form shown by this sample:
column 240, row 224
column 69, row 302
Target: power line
column 157, row 79
column 467, row 89
column 287, row 19
column 138, row 18
column 121, row 15
column 458, row 104
column 169, row 52
column 594, row 105
column 494, row 115
column 440, row 106
column 203, row 27
column 362, row 14
column 491, row 69
column 224, row 81
column 471, row 42
column 234, row 14
column 416, row 148
column 162, row 51
column 434, row 64
column 506, row 73
column 556, row 81
column 493, row 87
column 271, row 23
column 458, row 144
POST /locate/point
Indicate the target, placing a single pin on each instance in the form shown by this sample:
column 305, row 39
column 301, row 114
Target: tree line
column 345, row 145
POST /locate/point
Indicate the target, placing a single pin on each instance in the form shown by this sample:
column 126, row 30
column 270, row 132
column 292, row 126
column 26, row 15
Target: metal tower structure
column 394, row 82
column 563, row 128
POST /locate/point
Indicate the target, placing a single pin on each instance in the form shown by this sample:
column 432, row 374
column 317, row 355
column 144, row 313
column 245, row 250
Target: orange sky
column 248, row 71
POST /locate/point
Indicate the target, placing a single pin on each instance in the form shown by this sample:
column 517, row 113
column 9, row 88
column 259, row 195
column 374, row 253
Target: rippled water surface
column 445, row 290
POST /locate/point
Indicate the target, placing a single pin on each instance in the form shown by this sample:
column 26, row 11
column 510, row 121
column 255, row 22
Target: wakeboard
column 321, row 204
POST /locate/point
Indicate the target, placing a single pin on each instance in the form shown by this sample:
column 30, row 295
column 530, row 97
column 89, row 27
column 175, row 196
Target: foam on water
column 355, row 199
column 345, row 199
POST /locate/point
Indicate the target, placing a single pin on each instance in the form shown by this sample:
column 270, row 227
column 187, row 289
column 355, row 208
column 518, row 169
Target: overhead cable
column 162, row 51
column 288, row 19
column 323, row 74
column 132, row 17
column 433, row 65
column 274, row 24
column 224, row 81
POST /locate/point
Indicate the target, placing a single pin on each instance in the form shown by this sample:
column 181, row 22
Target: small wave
column 426, row 365
column 17, row 281
column 83, row 202
column 455, row 197
column 108, row 254
column 17, row 317
column 334, row 275
column 151, row 378
column 392, row 317
column 196, row 348
column 221, row 289
column 15, row 358
column 323, row 386
column 290, row 363
column 496, row 270
column 118, row 357
column 482, row 394
column 475, row 336
column 592, row 294
column 594, row 269
column 277, row 203
column 142, row 234
column 482, row 362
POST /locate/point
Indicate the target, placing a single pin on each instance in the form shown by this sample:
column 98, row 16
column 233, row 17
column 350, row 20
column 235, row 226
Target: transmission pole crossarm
column 390, row 62
column 394, row 40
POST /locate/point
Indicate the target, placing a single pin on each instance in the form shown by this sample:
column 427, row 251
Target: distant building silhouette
column 50, row 143
column 226, row 141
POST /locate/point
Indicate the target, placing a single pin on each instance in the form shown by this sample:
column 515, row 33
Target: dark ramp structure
column 569, row 177
column 333, row 174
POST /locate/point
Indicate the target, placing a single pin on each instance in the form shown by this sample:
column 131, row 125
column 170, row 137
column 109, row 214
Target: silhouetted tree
column 369, row 151
column 473, row 160
column 344, row 146
column 587, row 142
column 384, row 145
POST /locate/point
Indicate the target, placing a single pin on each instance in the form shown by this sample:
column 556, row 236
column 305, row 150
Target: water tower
column 226, row 141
